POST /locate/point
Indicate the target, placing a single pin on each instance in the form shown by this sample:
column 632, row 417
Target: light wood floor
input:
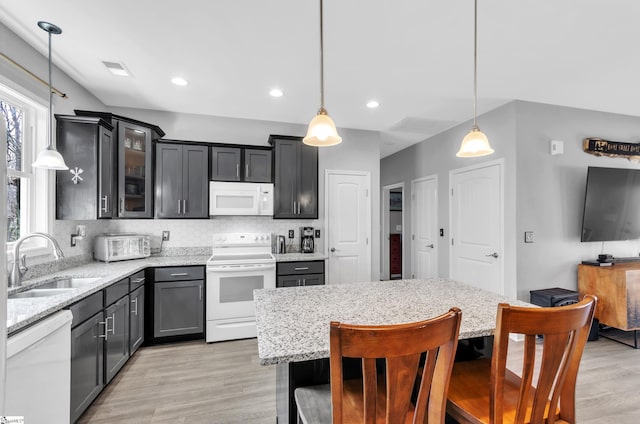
column 222, row 383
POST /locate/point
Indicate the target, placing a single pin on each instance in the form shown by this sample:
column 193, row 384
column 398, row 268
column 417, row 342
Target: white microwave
column 121, row 247
column 227, row 198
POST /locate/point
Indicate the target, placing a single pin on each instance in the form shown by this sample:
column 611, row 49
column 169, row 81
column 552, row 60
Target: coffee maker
column 306, row 240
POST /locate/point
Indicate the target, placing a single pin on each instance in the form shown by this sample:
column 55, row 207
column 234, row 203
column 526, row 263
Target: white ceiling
column 414, row 57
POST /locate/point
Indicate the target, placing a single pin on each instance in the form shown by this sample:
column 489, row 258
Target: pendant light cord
column 321, row 61
column 475, row 62
column 49, row 143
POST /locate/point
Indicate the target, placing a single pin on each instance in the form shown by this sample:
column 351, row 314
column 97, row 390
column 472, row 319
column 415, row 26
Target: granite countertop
column 294, row 257
column 23, row 312
column 293, row 323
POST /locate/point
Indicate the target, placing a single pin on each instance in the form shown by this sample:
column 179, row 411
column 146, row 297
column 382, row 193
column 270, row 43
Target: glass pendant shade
column 474, row 144
column 49, row 158
column 322, row 131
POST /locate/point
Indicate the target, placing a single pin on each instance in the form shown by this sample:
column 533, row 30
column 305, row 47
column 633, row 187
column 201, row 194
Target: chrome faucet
column 19, row 266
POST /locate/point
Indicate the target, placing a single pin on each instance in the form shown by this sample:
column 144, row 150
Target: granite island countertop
column 23, row 312
column 293, row 323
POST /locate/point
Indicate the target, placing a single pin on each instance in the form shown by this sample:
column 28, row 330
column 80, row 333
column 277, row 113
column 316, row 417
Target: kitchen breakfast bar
column 293, row 323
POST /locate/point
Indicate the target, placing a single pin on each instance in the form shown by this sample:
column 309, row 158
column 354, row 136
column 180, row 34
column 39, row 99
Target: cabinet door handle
column 238, row 170
column 179, row 274
column 200, row 289
column 304, row 281
column 246, row 170
column 299, row 282
column 121, row 204
column 184, row 206
column 104, row 336
column 135, row 302
column 113, row 323
column 294, row 206
column 302, row 268
column 179, row 204
column 105, row 207
column 298, row 208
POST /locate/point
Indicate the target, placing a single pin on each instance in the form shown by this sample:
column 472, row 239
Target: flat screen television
column 611, row 205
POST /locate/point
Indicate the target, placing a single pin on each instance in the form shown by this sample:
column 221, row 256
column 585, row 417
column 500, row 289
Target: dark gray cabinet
column 257, row 165
column 181, row 181
column 87, row 189
column 117, row 341
column 136, row 311
column 240, row 164
column 178, row 301
column 225, row 163
column 87, row 353
column 296, row 178
column 133, row 140
column 301, row 273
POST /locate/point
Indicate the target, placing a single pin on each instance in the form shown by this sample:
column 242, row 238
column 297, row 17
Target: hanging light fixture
column 49, row 158
column 475, row 143
column 322, row 131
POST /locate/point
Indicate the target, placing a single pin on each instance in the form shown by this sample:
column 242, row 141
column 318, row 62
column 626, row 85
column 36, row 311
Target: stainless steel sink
column 67, row 283
column 38, row 293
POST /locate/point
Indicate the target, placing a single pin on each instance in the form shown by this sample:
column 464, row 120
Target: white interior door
column 424, row 204
column 477, row 226
column 348, row 212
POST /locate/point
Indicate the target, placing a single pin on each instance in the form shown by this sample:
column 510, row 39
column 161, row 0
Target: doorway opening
column 393, row 232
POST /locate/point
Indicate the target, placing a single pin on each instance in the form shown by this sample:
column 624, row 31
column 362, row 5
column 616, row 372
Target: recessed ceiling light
column 372, row 104
column 179, row 81
column 117, row 69
column 276, row 92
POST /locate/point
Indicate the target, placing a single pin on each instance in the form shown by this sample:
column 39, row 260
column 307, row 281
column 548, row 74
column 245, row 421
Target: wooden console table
column 618, row 291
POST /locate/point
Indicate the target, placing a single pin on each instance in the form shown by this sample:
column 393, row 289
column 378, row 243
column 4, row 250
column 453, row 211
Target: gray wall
column 543, row 193
column 437, row 156
column 550, row 193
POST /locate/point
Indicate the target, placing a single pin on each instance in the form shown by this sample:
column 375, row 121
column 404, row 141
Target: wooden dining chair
column 485, row 391
column 418, row 358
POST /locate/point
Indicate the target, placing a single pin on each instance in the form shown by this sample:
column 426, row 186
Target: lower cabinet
column 117, row 341
column 87, row 363
column 302, row 273
column 178, row 302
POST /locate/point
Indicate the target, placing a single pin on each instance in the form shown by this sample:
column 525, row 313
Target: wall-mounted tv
column 611, row 205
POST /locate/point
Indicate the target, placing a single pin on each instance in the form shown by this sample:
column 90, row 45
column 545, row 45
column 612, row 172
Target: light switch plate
column 528, row 236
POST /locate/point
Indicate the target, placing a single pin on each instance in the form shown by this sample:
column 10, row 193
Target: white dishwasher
column 39, row 371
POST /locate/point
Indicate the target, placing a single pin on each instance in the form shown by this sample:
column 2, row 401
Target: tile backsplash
column 183, row 232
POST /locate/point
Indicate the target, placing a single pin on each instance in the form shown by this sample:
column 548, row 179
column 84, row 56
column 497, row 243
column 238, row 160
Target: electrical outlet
column 528, row 236
column 165, row 235
column 291, row 235
column 317, row 234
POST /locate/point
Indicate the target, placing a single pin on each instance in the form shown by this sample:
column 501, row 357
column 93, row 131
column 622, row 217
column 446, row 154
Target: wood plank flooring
column 222, row 383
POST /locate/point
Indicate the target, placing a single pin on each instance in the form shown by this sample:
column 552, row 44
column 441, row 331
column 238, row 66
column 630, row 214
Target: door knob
column 430, row 245
column 333, row 249
column 493, row 255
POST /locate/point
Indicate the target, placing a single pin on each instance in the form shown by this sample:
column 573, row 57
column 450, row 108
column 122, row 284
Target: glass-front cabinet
column 134, row 184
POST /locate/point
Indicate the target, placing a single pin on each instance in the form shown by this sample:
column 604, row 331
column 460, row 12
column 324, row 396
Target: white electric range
column 241, row 263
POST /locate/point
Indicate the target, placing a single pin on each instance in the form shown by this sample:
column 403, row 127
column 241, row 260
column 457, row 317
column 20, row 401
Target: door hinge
column 366, row 192
column 413, row 236
column 452, row 192
column 367, row 239
column 413, row 197
column 451, row 242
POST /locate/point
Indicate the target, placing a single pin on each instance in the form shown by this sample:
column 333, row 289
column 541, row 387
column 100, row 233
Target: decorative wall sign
column 612, row 149
column 76, row 174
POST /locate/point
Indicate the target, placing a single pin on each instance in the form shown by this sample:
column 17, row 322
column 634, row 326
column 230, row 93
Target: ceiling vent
column 117, row 69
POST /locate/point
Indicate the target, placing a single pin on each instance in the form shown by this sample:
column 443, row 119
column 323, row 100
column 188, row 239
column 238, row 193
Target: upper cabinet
column 181, row 180
column 88, row 189
column 296, row 178
column 134, row 188
column 240, row 164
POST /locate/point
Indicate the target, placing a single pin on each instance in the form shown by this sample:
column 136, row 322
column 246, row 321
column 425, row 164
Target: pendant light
column 49, row 158
column 475, row 143
column 322, row 131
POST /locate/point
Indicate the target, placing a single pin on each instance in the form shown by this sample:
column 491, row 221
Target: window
column 29, row 190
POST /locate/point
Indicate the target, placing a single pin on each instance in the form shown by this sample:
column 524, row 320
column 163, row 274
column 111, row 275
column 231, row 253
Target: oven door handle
column 243, row 268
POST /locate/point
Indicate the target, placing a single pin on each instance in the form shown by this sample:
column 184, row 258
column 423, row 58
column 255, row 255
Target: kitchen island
column 293, row 323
